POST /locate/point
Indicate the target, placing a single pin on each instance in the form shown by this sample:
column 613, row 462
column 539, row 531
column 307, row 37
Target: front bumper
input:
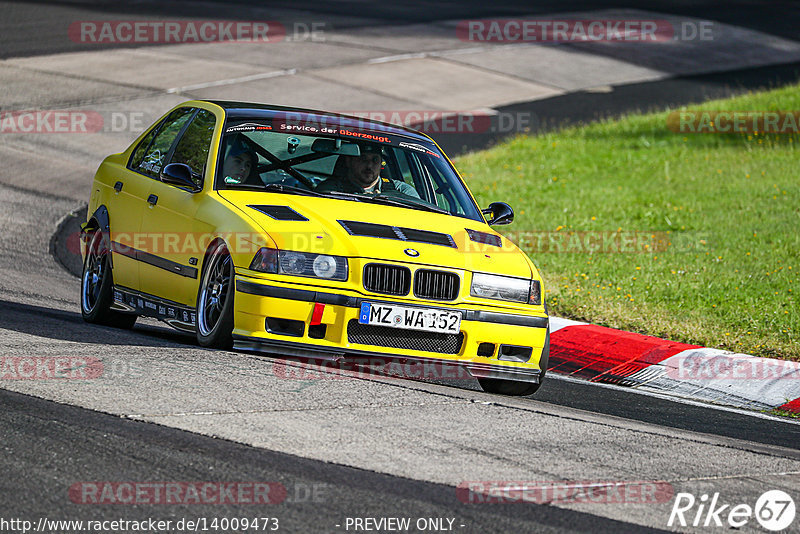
column 324, row 324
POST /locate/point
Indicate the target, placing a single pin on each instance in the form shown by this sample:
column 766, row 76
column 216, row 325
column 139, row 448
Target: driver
column 362, row 174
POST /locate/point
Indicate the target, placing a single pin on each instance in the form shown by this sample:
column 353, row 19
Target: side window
column 141, row 148
column 402, row 165
column 152, row 157
column 192, row 149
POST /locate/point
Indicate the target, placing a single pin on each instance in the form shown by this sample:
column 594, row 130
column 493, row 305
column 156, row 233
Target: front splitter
column 301, row 350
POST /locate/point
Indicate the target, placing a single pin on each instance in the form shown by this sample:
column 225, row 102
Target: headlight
column 269, row 260
column 292, row 262
column 325, row 267
column 489, row 286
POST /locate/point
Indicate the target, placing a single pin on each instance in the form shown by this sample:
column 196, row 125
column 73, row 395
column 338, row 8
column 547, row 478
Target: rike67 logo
column 774, row 510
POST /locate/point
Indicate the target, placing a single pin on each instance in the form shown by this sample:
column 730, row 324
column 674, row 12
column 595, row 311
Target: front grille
column 387, row 279
column 436, row 285
column 398, row 338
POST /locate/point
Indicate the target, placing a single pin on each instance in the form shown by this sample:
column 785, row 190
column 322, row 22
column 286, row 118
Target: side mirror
column 180, row 175
column 499, row 213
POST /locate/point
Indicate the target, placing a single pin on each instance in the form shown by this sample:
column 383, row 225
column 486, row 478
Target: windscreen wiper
column 290, row 189
column 386, row 200
column 342, row 195
column 406, row 203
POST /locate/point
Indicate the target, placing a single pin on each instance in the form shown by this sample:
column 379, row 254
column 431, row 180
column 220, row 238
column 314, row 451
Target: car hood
column 351, row 228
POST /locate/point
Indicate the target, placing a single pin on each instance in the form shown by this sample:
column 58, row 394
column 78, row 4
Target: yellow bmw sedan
column 311, row 234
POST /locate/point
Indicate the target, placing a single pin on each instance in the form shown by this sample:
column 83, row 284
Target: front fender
column 98, row 220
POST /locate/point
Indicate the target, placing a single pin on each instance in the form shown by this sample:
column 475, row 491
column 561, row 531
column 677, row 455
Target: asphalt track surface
column 48, row 445
column 47, row 461
column 30, row 29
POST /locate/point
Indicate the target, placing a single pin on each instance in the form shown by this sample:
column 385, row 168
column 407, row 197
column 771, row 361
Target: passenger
column 240, row 165
column 362, row 174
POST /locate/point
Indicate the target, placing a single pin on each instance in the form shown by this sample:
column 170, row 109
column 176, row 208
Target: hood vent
column 483, row 237
column 280, row 213
column 397, row 232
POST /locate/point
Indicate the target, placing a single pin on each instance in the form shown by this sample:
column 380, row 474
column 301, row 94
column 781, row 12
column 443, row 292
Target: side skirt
column 176, row 315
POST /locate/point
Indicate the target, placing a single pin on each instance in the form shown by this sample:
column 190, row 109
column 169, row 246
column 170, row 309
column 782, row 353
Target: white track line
column 231, row 81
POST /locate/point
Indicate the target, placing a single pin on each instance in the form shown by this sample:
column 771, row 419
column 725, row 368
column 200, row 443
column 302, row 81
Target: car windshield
column 376, row 168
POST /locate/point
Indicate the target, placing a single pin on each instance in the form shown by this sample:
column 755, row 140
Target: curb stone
column 600, row 354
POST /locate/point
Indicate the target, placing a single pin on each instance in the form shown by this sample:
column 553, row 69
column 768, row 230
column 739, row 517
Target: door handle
column 152, row 200
column 118, row 187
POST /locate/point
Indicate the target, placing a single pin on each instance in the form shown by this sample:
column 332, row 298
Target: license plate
column 426, row 319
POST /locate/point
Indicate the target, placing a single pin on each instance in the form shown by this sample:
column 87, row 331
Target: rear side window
column 150, row 159
column 193, row 147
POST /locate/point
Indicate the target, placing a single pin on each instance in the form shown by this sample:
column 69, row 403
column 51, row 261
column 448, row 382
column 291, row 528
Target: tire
column 508, row 387
column 96, row 287
column 214, row 309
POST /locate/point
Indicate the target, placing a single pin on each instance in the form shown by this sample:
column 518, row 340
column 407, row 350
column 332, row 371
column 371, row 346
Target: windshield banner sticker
column 248, row 127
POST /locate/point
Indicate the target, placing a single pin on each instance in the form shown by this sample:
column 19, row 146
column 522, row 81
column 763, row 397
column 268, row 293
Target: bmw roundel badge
column 411, row 252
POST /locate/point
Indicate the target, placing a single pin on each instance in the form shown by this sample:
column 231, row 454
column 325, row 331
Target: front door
column 172, row 270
